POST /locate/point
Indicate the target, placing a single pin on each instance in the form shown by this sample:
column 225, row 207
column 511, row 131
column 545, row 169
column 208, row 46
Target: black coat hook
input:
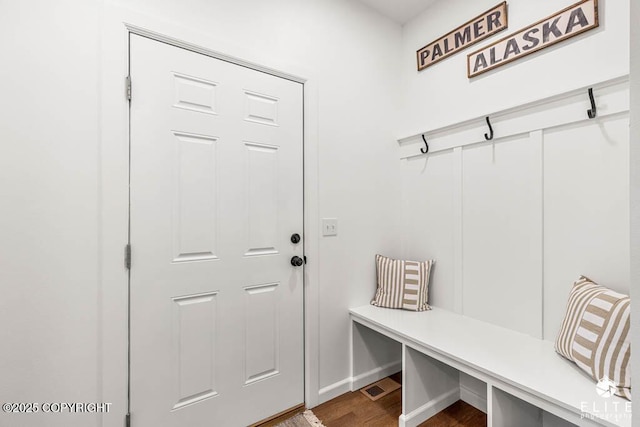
column 422, row 150
column 489, row 137
column 592, row 112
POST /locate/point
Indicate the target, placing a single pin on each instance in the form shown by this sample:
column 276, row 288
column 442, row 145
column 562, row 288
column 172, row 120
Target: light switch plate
column 329, row 226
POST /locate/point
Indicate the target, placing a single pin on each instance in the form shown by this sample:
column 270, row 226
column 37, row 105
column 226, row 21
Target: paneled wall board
column 517, row 219
column 502, row 233
column 612, row 98
column 586, row 210
column 428, row 206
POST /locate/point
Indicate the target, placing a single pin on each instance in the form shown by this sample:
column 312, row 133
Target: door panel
column 194, row 331
column 216, row 192
column 194, row 202
column 261, row 332
column 262, row 198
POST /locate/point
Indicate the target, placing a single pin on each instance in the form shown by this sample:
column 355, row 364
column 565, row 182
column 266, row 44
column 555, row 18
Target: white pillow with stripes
column 595, row 334
column 402, row 284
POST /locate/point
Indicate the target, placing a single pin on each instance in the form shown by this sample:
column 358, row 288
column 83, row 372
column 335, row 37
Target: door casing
column 218, row 152
column 117, row 24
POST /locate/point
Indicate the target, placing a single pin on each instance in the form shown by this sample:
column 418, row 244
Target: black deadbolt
column 295, row 238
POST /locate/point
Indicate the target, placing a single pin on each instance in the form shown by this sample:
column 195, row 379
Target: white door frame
column 113, row 164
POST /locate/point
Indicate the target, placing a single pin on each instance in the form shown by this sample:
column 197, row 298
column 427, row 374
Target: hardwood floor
column 355, row 409
column 279, row 418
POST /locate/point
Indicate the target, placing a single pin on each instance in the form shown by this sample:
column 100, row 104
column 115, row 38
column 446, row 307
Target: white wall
column 635, row 194
column 52, row 254
column 352, row 54
column 49, row 248
column 513, row 222
column 442, row 94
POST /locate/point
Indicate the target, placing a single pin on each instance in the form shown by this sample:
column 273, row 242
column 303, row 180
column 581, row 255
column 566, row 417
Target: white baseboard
column 352, row 384
column 429, row 409
column 334, row 390
column 474, row 399
column 374, row 375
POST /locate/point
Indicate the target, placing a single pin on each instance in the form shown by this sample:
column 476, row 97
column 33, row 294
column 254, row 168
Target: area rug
column 305, row 419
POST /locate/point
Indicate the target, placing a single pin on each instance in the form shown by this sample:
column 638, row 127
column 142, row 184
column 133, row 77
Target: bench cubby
column 446, row 356
column 508, row 411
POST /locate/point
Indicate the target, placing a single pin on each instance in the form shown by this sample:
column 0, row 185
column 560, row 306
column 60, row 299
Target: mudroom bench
column 526, row 382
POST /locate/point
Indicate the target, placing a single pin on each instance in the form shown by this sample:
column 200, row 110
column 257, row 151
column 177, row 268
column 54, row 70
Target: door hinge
column 127, row 256
column 128, row 87
column 127, row 420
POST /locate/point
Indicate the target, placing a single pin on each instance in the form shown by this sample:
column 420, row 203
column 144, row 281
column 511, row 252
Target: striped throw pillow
column 402, row 284
column 595, row 334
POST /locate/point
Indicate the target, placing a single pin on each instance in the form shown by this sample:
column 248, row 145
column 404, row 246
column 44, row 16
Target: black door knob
column 296, row 261
column 295, row 238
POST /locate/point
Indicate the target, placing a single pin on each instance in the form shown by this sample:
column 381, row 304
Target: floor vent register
column 380, row 389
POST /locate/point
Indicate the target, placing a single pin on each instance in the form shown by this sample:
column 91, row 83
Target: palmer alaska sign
column 569, row 22
column 477, row 29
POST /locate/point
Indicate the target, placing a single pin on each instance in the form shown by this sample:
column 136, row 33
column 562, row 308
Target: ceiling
column 400, row 11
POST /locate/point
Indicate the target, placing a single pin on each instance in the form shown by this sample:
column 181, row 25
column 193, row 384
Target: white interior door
column 216, row 193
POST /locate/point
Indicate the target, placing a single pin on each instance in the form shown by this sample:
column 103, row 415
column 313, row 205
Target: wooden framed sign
column 479, row 28
column 569, row 22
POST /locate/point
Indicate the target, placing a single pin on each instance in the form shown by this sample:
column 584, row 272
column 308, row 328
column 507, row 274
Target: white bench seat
column 520, row 371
